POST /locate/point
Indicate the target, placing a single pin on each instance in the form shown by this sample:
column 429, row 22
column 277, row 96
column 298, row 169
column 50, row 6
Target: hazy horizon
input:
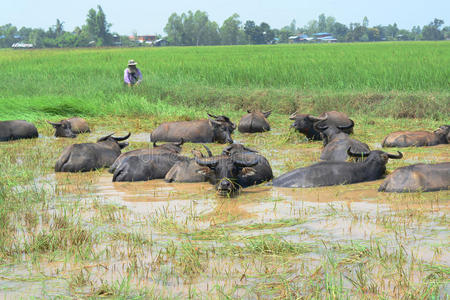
column 146, row 18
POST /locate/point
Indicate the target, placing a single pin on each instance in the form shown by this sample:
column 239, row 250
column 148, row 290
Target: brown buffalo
column 218, row 130
column 70, row 127
column 18, row 129
column 174, row 148
column 254, row 121
column 417, row 138
column 418, row 178
column 304, row 123
column 91, row 156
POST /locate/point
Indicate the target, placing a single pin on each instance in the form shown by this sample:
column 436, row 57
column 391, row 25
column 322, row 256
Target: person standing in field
column 132, row 75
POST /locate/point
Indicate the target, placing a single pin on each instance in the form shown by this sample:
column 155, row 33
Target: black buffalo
column 218, row 129
column 304, row 123
column 146, row 167
column 18, row 129
column 174, row 148
column 418, row 138
column 338, row 172
column 336, row 143
column 91, row 156
column 418, row 178
column 70, row 127
column 237, row 168
column 254, row 121
column 187, row 170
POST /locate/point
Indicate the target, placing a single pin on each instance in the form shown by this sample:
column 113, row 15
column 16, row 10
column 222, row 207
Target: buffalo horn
column 212, row 116
column 207, row 150
column 348, row 126
column 244, row 163
column 54, row 124
column 395, row 156
column 318, row 127
column 354, row 154
column 105, row 137
column 154, row 145
column 118, row 139
column 292, row 117
column 249, row 111
column 208, row 162
column 181, row 142
column 316, row 119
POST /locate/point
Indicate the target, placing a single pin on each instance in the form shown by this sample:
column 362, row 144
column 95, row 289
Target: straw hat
column 131, row 62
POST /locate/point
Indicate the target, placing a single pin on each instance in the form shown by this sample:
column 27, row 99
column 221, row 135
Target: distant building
column 160, row 42
column 22, row 46
column 143, row 38
column 324, row 37
column 300, row 38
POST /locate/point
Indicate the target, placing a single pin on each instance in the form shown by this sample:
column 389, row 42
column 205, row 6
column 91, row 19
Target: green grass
column 408, row 79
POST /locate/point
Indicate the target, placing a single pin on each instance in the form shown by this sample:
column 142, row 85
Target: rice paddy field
column 75, row 235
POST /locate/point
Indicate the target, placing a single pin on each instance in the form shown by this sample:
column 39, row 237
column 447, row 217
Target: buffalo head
column 224, row 120
column 225, row 171
column 443, row 134
column 110, row 139
column 376, row 155
column 63, row 129
column 304, row 123
column 170, row 147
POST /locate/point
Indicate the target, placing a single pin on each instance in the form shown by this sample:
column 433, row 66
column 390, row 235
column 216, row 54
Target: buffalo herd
column 344, row 160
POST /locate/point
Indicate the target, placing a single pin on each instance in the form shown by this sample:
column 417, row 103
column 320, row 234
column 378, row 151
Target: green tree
column 174, row 29
column 229, row 32
column 365, row 22
column 431, row 31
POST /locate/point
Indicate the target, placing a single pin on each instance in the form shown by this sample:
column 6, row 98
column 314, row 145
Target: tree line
column 195, row 28
column 191, row 28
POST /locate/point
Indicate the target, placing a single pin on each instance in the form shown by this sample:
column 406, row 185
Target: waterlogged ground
column 83, row 235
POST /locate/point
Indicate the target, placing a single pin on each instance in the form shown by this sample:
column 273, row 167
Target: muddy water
column 333, row 213
column 356, row 213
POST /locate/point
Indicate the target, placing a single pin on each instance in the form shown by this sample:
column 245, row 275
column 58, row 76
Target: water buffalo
column 417, row 138
column 70, row 127
column 90, row 156
column 304, row 123
column 218, row 130
column 255, row 121
column 418, row 178
column 174, row 148
column 338, row 172
column 146, row 167
column 336, row 143
column 230, row 172
column 187, row 170
column 18, row 129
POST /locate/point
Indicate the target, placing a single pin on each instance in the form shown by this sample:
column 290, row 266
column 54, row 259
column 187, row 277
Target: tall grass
column 284, row 77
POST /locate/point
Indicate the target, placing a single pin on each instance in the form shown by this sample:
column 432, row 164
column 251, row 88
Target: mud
column 344, row 214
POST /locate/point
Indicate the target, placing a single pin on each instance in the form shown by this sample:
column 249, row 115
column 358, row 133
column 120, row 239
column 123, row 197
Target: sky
column 150, row 17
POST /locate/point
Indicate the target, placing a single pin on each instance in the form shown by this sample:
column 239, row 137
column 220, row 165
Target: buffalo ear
column 123, row 145
column 205, row 171
column 247, row 171
column 267, row 114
